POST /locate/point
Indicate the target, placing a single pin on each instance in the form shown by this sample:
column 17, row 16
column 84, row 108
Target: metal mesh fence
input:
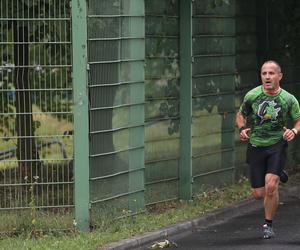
column 213, row 93
column 36, row 144
column 280, row 44
column 116, row 92
column 162, row 100
column 134, row 98
column 246, row 67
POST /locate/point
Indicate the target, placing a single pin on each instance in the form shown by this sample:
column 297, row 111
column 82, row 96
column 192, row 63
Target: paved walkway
column 243, row 232
column 237, row 227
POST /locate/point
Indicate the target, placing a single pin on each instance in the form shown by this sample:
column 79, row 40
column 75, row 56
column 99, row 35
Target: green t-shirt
column 269, row 114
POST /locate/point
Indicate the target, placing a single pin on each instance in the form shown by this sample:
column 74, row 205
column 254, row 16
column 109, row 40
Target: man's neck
column 272, row 91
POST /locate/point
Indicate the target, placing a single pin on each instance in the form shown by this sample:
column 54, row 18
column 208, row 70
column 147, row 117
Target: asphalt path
column 244, row 232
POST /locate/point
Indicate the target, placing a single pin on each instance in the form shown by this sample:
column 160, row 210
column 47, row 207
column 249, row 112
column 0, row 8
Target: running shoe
column 284, row 177
column 267, row 232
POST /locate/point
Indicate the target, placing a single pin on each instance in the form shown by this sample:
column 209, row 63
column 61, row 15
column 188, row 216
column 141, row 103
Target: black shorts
column 263, row 160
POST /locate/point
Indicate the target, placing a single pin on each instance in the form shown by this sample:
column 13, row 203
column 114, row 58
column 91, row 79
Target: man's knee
column 258, row 193
column 271, row 189
column 272, row 182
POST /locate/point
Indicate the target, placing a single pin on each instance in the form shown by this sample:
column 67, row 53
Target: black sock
column 268, row 222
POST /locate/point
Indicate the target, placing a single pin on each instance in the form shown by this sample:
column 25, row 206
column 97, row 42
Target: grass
column 156, row 217
column 18, row 222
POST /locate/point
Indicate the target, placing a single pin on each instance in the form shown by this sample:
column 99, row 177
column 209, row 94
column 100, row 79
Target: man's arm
column 240, row 120
column 290, row 134
column 297, row 125
column 241, row 124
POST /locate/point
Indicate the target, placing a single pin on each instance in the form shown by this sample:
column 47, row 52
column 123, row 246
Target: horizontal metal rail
column 37, row 207
column 116, row 151
column 213, row 55
column 213, row 172
column 117, row 196
column 28, row 184
column 214, row 74
column 161, row 98
column 37, row 42
column 161, row 181
column 102, row 85
column 161, row 15
column 161, row 36
column 160, row 78
column 214, row 35
column 38, row 113
column 214, row 16
column 162, row 160
column 162, row 57
column 117, row 129
column 149, row 121
column 38, row 160
column 120, row 38
column 34, row 90
column 38, row 67
column 214, row 94
column 116, row 61
column 33, row 19
column 117, row 106
column 117, row 174
column 116, row 16
column 66, row 134
column 224, row 150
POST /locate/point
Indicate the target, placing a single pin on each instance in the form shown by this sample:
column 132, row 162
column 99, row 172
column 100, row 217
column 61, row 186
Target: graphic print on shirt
column 268, row 111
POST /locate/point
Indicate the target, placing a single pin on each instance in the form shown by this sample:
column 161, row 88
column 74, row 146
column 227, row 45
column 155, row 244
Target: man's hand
column 288, row 134
column 244, row 134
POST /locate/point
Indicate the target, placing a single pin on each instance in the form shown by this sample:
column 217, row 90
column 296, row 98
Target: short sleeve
column 295, row 109
column 246, row 107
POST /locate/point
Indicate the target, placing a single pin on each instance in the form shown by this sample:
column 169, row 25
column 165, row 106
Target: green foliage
column 48, row 45
column 158, row 216
column 169, row 108
column 218, row 3
column 286, row 23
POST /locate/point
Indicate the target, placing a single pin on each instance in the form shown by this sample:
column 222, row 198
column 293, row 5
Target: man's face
column 270, row 76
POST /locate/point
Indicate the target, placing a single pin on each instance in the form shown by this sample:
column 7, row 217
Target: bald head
column 270, row 76
column 277, row 66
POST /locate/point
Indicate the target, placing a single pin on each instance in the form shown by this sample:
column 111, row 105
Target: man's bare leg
column 271, row 198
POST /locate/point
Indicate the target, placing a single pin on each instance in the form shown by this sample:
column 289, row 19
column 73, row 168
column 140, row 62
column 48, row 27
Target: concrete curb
column 183, row 228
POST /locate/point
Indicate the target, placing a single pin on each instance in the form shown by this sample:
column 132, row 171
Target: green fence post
column 185, row 163
column 81, row 118
column 136, row 110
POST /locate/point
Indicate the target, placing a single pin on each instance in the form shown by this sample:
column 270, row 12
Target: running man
column 269, row 107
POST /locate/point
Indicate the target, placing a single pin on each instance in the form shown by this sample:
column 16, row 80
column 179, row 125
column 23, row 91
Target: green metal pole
column 136, row 112
column 81, row 118
column 185, row 163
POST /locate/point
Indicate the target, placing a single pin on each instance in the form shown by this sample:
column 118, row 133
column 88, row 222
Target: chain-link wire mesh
column 213, row 93
column 116, row 91
column 246, row 66
column 36, row 142
column 36, row 110
column 162, row 100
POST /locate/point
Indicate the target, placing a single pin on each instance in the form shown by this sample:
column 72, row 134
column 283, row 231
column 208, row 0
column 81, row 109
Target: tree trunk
column 27, row 153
